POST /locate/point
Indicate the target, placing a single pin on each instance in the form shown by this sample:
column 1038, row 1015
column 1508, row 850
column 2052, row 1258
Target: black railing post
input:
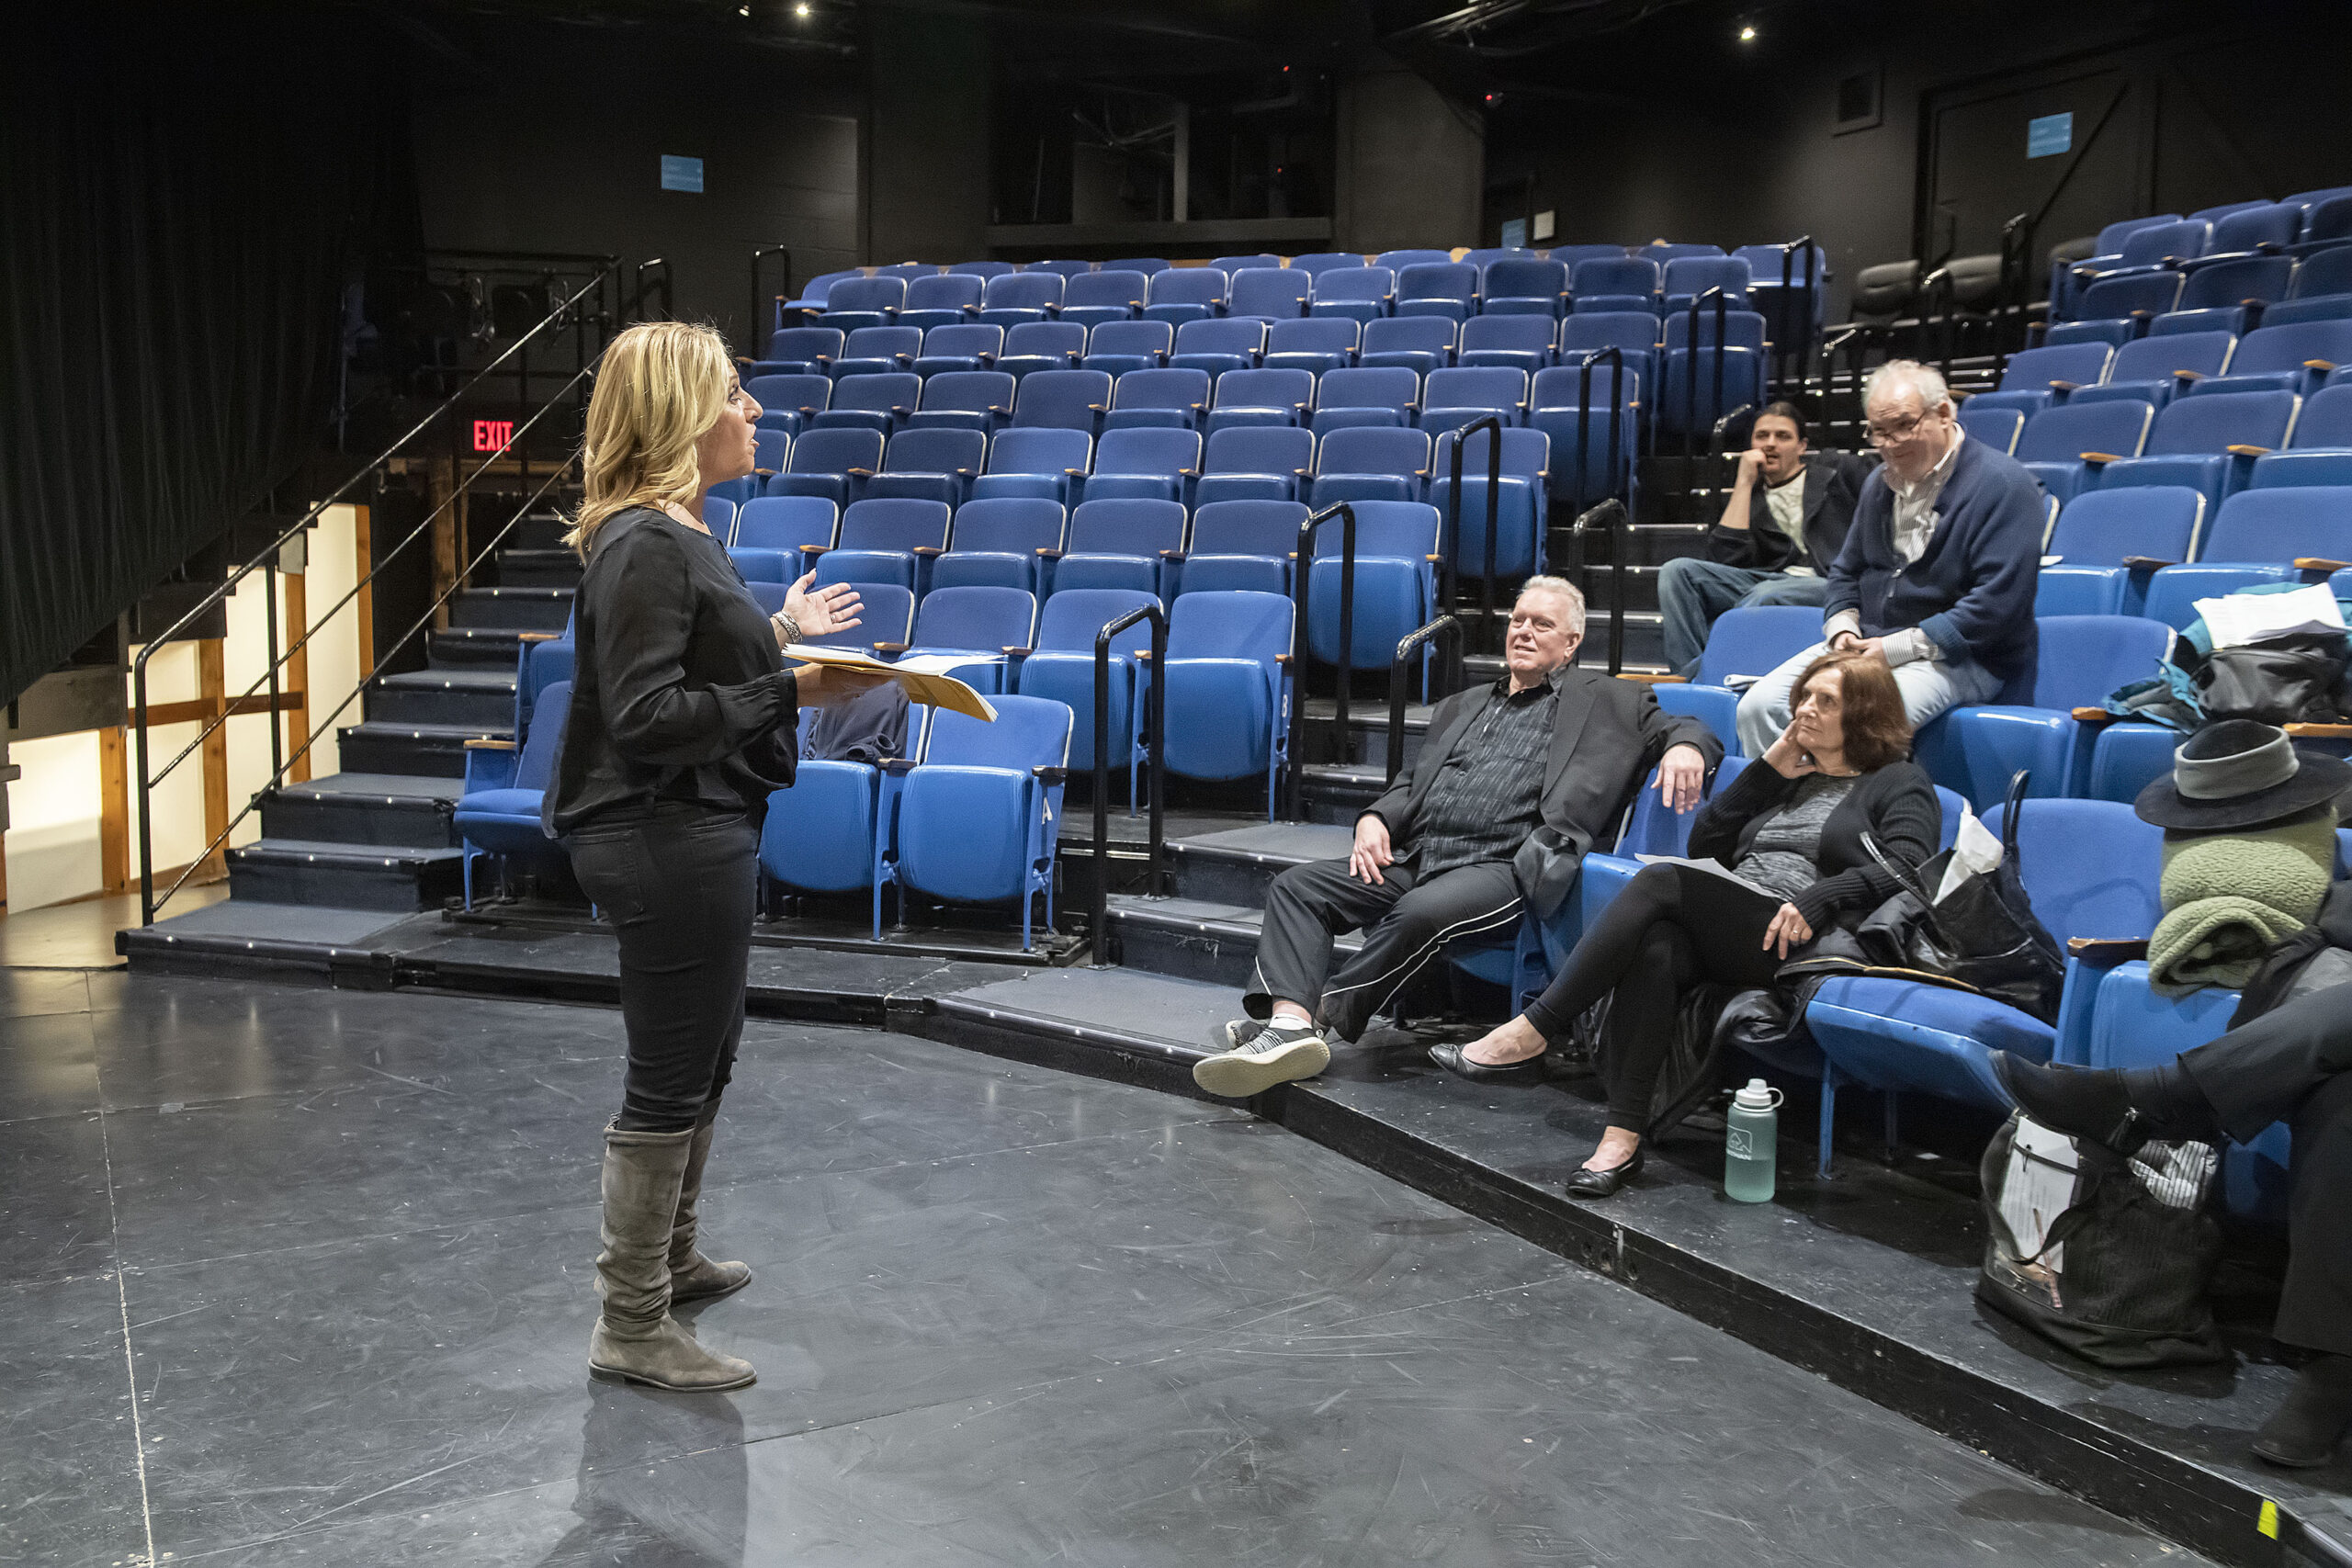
column 1609, row 513
column 1722, row 301
column 1301, row 644
column 1098, row 930
column 758, row 334
column 1493, row 426
column 146, row 833
column 269, row 616
column 1443, row 625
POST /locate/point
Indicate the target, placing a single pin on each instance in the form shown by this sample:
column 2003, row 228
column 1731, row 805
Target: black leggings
column 1672, row 927
column 680, row 885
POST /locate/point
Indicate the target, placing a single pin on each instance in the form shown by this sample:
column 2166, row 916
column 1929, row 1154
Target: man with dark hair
column 1783, row 524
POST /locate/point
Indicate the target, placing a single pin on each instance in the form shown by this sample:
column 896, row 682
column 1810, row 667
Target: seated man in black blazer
column 1784, row 522
column 1517, row 781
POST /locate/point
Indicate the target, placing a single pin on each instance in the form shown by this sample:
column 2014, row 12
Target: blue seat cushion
column 505, row 822
column 1903, row 1034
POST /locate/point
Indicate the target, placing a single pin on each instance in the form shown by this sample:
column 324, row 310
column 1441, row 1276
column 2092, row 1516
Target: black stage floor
column 303, row 1275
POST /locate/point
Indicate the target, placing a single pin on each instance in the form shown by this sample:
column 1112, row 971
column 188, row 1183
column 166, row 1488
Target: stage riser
column 343, row 887
column 472, row 649
column 528, row 609
column 365, row 749
column 538, row 569
column 1221, row 961
column 1220, row 879
column 421, row 703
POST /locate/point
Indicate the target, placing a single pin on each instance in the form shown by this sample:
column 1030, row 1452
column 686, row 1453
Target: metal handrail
column 1155, row 735
column 1610, row 515
column 1803, row 349
column 266, row 560
column 1443, row 625
column 1691, row 380
column 1938, row 282
column 1301, row 644
column 1493, row 425
column 662, row 283
column 774, row 313
column 1616, row 357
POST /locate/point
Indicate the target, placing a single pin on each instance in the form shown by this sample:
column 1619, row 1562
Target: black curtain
column 182, row 193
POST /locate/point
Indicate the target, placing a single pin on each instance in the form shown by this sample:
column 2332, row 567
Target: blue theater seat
column 1124, row 348
column 1121, row 542
column 886, row 541
column 2294, row 358
column 872, row 402
column 1524, row 285
column 976, row 821
column 1034, row 463
column 876, row 351
column 1061, row 668
column 1231, row 265
column 1170, row 399
column 1261, row 396
column 1314, row 344
column 1217, row 346
column 1226, row 688
column 2038, row 379
column 1061, row 399
column 1613, row 284
column 1147, row 266
column 1241, row 545
column 1016, row 298
column 2108, row 543
column 964, row 400
column 1450, row 399
column 1370, row 463
column 2208, row 442
column 941, row 300
column 1687, row 277
column 1396, row 583
column 1062, row 269
column 2154, row 369
column 1255, row 462
column 855, row 302
column 1041, row 346
column 2067, row 447
column 932, row 464
column 1518, row 342
column 1977, row 749
column 1159, row 464
column 972, row 345
column 1315, row 264
column 1096, row 298
column 1354, row 293
column 775, row 532
column 2090, row 868
column 831, row 463
column 790, row 403
column 1005, row 543
column 1997, row 428
column 1522, row 514
column 506, row 782
column 1419, row 344
column 1371, row 394
column 1397, row 260
column 1267, row 293
column 1751, row 642
column 798, row 351
column 983, row 270
column 986, row 624
column 1580, row 473
column 1437, row 288
column 1185, row 294
column 1634, row 332
column 819, row 836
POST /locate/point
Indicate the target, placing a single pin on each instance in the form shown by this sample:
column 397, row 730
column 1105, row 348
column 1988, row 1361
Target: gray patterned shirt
column 1489, row 793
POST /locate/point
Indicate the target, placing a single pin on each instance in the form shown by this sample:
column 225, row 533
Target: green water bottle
column 1750, row 1136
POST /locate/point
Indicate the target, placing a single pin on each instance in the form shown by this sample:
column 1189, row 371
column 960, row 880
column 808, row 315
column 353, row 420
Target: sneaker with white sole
column 1235, row 1034
column 1281, row 1051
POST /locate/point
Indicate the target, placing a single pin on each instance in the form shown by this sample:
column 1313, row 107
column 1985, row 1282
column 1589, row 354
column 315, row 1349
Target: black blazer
column 1896, row 804
column 1833, row 484
column 1606, row 736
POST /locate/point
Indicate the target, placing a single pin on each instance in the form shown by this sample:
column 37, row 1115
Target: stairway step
column 1192, row 939
column 423, row 751
column 344, row 876
column 516, row 609
column 363, row 809
column 480, row 695
column 1235, row 867
column 557, row 567
column 473, row 647
column 540, row 530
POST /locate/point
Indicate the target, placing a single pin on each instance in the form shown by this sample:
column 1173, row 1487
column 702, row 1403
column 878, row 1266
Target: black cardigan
column 1896, row 804
column 679, row 692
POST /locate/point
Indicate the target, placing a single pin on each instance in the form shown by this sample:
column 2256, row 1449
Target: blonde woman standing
column 682, row 718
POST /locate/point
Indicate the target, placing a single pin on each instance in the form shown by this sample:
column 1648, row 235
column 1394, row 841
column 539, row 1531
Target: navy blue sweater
column 1971, row 592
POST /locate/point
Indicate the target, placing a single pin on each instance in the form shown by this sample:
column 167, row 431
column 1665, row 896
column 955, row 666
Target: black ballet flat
column 1587, row 1183
column 1449, row 1056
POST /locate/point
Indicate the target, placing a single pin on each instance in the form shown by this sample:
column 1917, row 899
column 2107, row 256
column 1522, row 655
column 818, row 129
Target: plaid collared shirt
column 1489, row 793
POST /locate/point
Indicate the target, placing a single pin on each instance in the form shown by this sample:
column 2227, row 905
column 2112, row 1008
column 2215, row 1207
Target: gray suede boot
column 636, row 1337
column 693, row 1277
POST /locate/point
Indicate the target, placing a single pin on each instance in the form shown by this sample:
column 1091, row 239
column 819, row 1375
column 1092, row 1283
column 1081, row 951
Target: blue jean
column 1693, row 593
column 1929, row 688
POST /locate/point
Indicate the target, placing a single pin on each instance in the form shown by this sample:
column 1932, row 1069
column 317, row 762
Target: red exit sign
column 493, row 434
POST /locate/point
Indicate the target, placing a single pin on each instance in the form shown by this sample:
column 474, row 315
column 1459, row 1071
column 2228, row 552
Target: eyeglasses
column 1884, row 434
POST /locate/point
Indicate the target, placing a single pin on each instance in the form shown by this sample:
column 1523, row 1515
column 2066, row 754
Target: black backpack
column 2103, row 1254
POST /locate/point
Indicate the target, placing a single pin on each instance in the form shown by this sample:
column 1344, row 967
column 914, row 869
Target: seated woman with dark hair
column 1791, row 829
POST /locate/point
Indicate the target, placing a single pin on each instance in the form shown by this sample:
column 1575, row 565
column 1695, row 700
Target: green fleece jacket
column 2230, row 898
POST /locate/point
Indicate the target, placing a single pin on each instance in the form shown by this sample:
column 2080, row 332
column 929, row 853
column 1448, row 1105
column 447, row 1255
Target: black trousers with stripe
column 1406, row 922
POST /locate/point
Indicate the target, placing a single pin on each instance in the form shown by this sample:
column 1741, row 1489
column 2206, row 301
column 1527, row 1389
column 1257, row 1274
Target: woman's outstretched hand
column 829, row 609
column 1788, row 930
column 1788, row 759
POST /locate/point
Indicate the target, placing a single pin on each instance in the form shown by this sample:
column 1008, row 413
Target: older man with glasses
column 1937, row 575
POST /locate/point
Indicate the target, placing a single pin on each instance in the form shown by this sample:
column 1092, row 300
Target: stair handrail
column 1804, row 350
column 266, row 560
column 1691, row 380
column 1155, row 737
column 1301, row 644
column 1616, row 357
column 1444, row 625
column 1493, row 425
column 1610, row 514
column 774, row 314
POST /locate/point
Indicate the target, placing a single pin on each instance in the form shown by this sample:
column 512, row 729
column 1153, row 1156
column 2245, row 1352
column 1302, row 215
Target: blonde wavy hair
column 660, row 388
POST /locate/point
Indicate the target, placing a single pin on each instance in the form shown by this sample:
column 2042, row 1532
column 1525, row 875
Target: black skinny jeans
column 680, row 885
column 1671, row 929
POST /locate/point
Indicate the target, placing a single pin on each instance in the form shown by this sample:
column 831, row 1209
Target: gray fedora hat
column 2240, row 773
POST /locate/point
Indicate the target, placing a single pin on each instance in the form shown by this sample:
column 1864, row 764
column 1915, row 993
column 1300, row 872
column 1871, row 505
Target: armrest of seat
column 538, row 636
column 2106, row 952
column 2321, row 366
column 859, row 473
column 891, row 648
column 2321, row 731
column 897, row 767
column 814, row 549
column 483, row 744
column 2146, row 563
column 2184, row 377
column 1048, row 553
column 1174, row 555
column 765, row 473
column 1649, row 680
column 491, row 764
column 2320, row 564
column 2096, row 717
column 1047, row 772
column 2249, row 451
column 2096, row 458
column 2065, row 385
column 1015, row 651
column 926, row 550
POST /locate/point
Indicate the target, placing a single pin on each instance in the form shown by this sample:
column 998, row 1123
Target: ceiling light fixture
column 1747, row 35
column 801, row 10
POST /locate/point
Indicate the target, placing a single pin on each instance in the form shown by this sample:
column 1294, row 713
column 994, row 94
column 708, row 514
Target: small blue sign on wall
column 1514, row 236
column 681, row 173
column 2044, row 138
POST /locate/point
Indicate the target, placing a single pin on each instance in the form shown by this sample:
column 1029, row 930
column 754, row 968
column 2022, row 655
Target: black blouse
column 1896, row 804
column 679, row 692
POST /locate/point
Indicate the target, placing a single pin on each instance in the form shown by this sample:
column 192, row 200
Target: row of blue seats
column 2167, row 241
column 970, row 814
column 2220, row 293
column 2146, row 550
column 953, row 469
column 2299, row 357
column 1153, row 546
column 2216, row 443
column 1419, row 344
column 1455, row 291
